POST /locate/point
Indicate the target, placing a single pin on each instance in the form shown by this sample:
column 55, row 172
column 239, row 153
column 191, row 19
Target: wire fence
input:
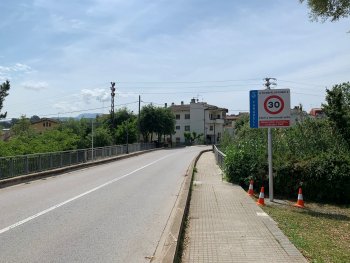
column 219, row 157
column 26, row 164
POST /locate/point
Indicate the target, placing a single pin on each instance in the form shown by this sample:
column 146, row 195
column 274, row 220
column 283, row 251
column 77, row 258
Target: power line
column 184, row 82
column 83, row 110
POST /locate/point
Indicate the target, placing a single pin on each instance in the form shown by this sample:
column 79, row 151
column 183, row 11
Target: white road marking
column 76, row 197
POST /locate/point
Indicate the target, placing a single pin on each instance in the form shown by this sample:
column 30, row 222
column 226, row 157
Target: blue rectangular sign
column 254, row 114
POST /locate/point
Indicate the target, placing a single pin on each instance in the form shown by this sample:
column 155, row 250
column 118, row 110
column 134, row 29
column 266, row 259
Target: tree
column 148, row 120
column 22, row 127
column 81, row 128
column 328, row 9
column 102, row 137
column 127, row 132
column 165, row 124
column 337, row 108
column 34, row 118
column 4, row 88
column 156, row 120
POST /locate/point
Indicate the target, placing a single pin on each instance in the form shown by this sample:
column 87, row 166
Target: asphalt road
column 114, row 212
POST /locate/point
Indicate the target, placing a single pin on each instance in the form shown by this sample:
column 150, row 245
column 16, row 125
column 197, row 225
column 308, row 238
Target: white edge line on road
column 76, row 197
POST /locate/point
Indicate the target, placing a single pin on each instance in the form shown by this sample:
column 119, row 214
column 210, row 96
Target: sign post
column 270, row 109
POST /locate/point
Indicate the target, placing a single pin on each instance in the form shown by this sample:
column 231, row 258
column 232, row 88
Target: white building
column 198, row 117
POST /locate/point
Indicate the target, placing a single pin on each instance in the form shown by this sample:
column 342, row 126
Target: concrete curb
column 168, row 247
column 36, row 176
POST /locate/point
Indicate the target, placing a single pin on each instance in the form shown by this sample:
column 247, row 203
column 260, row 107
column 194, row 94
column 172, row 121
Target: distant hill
column 88, row 116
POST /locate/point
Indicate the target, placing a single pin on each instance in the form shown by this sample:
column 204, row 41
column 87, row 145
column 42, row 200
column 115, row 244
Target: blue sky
column 60, row 56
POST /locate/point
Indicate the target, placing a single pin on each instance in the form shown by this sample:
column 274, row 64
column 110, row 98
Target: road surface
column 114, row 212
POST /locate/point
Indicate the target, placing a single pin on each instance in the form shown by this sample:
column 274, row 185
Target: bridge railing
column 219, row 157
column 32, row 163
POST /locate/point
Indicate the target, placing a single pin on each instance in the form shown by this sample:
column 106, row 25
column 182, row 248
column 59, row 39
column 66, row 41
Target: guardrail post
column 11, row 167
column 39, row 162
column 27, row 165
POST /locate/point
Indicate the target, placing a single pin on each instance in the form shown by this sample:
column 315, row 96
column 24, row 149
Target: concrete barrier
column 168, row 247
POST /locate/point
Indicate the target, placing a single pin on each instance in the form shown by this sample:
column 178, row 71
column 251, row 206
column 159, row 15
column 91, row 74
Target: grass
column 321, row 232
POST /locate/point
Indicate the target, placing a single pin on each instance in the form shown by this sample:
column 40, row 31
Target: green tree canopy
column 156, row 120
column 4, row 88
column 22, row 127
column 328, row 9
column 127, row 131
column 148, row 121
column 338, row 108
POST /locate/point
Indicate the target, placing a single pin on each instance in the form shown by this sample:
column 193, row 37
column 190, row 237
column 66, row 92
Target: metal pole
column 127, row 137
column 269, row 149
column 92, row 139
column 269, row 146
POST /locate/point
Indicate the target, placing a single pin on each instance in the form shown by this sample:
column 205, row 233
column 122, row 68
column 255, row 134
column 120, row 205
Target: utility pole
column 112, row 104
column 269, row 144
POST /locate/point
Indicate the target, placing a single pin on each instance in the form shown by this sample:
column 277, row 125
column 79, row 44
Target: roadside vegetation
column 313, row 154
column 104, row 130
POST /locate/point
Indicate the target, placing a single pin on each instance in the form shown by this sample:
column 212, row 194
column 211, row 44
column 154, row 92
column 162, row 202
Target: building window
column 177, row 139
column 177, row 127
column 218, row 117
column 43, row 124
column 178, row 116
column 187, row 128
column 187, row 116
column 211, row 128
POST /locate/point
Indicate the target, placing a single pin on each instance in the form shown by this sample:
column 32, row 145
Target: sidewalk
column 225, row 224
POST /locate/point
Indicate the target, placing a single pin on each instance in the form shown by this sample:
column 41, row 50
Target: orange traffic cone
column 261, row 200
column 250, row 190
column 300, row 202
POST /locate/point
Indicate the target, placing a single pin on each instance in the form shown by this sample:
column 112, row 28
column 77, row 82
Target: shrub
column 311, row 154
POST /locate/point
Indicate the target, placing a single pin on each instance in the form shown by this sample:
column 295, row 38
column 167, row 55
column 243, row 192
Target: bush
column 311, row 154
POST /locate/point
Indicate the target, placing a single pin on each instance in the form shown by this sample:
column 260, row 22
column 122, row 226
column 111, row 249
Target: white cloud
column 95, row 94
column 6, row 71
column 19, row 67
column 35, row 85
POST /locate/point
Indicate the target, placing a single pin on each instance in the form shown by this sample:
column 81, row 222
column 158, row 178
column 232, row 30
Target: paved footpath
column 225, row 224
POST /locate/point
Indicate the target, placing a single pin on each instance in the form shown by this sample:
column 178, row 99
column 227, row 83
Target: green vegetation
column 314, row 154
column 328, row 9
column 160, row 121
column 193, row 137
column 77, row 134
column 320, row 232
column 4, row 89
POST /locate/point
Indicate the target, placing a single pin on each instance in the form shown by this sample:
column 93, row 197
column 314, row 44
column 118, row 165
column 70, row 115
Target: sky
column 61, row 56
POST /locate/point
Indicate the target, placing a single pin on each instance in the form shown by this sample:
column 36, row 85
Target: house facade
column 230, row 122
column 44, row 124
column 198, row 117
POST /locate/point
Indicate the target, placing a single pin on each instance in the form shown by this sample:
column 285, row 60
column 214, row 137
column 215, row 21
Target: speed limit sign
column 274, row 104
column 270, row 108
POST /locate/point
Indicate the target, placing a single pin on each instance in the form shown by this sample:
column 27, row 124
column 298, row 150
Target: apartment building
column 198, row 117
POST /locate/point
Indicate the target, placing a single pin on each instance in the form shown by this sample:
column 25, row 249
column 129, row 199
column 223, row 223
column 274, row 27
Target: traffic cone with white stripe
column 300, row 202
column 250, row 190
column 261, row 200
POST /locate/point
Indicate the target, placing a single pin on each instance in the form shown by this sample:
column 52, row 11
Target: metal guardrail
column 26, row 164
column 219, row 157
